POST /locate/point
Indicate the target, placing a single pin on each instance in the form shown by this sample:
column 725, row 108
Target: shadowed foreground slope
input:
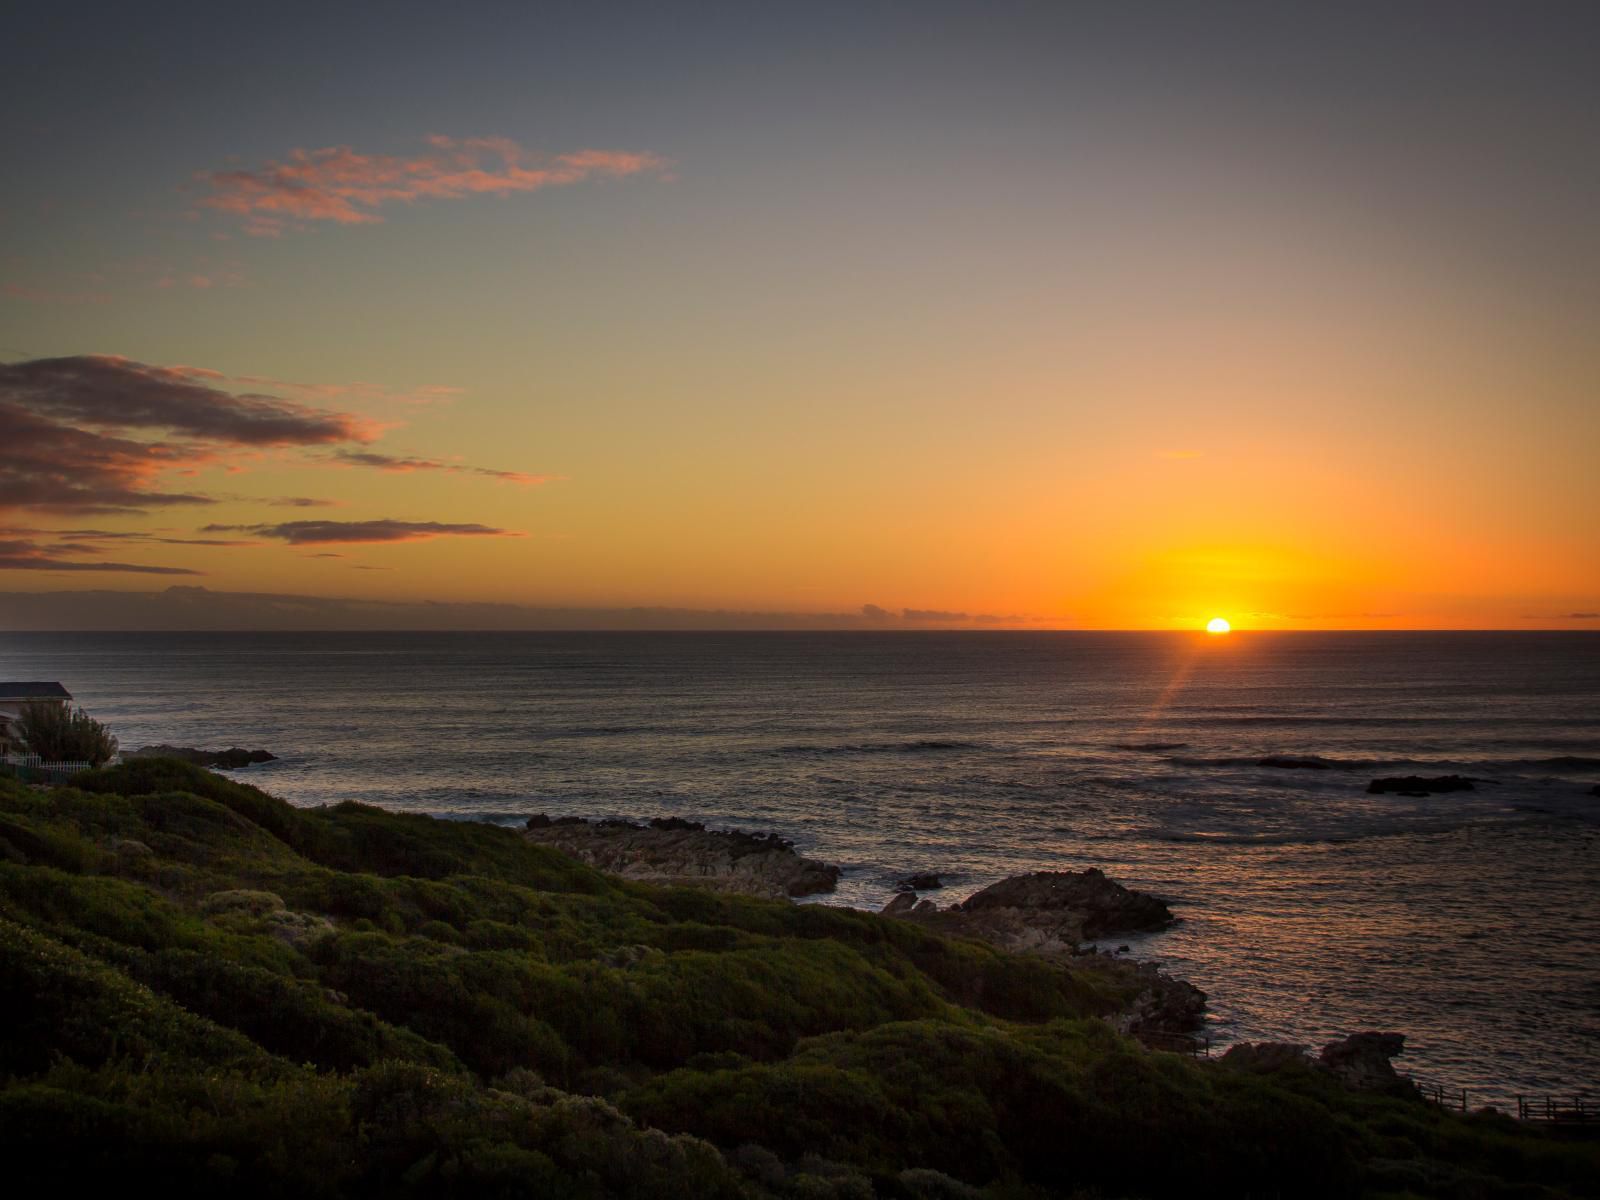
column 202, row 984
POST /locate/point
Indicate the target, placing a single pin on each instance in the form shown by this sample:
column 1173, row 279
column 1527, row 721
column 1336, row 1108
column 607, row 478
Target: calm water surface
column 1310, row 908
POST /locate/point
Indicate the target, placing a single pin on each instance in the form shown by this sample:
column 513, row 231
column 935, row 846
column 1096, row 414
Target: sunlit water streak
column 1310, row 908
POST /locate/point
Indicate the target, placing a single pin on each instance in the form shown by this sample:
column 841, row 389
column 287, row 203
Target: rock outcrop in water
column 233, row 758
column 1418, row 785
column 669, row 850
column 1044, row 912
column 1361, row 1061
column 1049, row 914
column 1101, row 905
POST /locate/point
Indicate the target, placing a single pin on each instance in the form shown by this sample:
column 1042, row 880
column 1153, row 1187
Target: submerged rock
column 233, row 758
column 1417, row 785
column 670, row 850
column 925, row 881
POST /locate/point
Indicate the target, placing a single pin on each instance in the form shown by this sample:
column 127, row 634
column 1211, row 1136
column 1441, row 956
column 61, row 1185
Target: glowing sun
column 1217, row 625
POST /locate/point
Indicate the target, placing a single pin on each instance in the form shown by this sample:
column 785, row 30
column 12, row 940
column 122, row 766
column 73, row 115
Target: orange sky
column 1047, row 325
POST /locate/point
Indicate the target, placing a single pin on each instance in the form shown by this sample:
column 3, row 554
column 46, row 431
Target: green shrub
column 58, row 733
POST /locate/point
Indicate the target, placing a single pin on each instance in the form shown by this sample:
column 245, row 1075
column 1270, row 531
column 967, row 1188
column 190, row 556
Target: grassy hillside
column 202, row 985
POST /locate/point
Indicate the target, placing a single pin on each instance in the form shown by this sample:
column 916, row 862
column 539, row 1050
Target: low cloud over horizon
column 188, row 607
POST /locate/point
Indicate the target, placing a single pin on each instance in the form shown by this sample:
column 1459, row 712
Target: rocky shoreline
column 1048, row 914
column 232, row 759
column 669, row 850
column 1051, row 914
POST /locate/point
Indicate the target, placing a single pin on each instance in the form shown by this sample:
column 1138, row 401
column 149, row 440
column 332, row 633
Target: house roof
column 33, row 691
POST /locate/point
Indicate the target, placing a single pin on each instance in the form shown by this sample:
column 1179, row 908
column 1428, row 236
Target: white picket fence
column 34, row 761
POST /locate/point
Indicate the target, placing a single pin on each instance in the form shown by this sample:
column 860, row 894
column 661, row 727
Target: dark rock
column 1595, row 790
column 1103, row 905
column 1289, row 763
column 1417, row 785
column 1361, row 1062
column 1265, row 1058
column 926, row 881
column 674, row 851
column 1163, row 1009
column 1048, row 914
column 233, row 758
column 903, row 903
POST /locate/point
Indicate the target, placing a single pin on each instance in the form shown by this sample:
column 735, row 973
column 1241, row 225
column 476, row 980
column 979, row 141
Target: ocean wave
column 1448, row 823
column 1336, row 717
column 1149, row 747
column 1563, row 762
column 1314, row 762
column 925, row 746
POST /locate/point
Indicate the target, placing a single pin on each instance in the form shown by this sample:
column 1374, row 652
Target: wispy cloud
column 335, row 184
column 76, row 537
column 310, row 533
column 302, row 502
column 403, row 464
column 359, row 392
column 25, row 555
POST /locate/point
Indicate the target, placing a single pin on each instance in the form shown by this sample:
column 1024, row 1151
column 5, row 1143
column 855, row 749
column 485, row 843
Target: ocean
column 1309, row 908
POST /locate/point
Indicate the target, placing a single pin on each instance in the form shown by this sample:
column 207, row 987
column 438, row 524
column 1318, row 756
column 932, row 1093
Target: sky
column 898, row 315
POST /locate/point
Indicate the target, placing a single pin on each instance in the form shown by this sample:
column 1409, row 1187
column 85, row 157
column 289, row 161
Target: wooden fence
column 1574, row 1110
column 1579, row 1110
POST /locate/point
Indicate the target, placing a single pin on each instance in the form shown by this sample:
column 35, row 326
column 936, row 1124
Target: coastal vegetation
column 58, row 733
column 207, row 986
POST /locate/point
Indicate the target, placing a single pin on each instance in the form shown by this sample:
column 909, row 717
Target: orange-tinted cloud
column 338, row 185
column 310, row 533
column 53, row 467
